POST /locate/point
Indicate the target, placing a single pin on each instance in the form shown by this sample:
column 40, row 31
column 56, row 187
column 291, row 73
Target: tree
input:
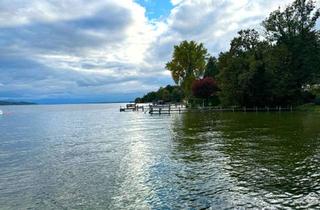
column 188, row 63
column 164, row 94
column 177, row 95
column 211, row 68
column 204, row 88
column 138, row 100
column 243, row 77
column 150, row 97
column 295, row 56
column 294, row 29
column 167, row 94
column 257, row 72
column 297, row 20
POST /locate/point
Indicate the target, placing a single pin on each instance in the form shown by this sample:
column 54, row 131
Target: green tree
column 211, row 68
column 167, row 94
column 243, row 76
column 150, row 97
column 177, row 94
column 293, row 29
column 188, row 63
column 138, row 100
column 164, row 94
column 274, row 71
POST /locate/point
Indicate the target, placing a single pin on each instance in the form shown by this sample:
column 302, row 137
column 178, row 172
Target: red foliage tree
column 204, row 88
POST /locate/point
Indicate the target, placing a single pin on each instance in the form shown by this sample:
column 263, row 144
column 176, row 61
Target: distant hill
column 3, row 103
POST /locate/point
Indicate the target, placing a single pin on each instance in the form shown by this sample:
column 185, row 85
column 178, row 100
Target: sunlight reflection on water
column 92, row 156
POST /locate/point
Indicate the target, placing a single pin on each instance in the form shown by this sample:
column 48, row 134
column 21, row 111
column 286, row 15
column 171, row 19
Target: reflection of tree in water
column 197, row 176
column 276, row 154
column 189, row 134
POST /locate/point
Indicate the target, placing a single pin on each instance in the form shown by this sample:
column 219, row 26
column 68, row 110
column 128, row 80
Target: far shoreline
column 40, row 104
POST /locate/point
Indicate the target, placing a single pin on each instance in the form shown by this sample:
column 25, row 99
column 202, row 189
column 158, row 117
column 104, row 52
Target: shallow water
column 94, row 157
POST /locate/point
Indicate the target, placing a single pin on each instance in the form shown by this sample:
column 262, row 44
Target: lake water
column 94, row 157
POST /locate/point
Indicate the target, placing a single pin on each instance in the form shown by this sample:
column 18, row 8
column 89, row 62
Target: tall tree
column 188, row 63
column 294, row 29
column 243, row 77
column 298, row 19
column 256, row 72
column 211, row 68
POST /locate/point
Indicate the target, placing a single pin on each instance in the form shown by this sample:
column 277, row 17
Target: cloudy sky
column 67, row 51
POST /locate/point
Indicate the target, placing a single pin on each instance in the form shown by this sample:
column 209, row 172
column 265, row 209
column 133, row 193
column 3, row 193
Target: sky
column 77, row 51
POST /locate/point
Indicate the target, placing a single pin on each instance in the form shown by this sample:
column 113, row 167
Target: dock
column 182, row 108
column 132, row 108
column 168, row 109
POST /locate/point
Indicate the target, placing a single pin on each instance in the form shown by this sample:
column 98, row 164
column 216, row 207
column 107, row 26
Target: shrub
column 204, row 88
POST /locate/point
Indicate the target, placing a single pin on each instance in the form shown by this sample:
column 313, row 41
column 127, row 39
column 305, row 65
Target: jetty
column 160, row 108
column 181, row 108
column 168, row 109
column 132, row 107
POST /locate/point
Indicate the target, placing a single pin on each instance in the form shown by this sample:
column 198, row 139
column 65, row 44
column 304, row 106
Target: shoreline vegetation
column 311, row 107
column 277, row 67
column 6, row 103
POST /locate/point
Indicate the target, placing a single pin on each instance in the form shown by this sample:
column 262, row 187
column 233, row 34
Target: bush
column 204, row 88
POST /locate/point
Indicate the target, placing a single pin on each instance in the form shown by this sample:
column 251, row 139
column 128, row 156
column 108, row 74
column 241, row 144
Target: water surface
column 94, row 157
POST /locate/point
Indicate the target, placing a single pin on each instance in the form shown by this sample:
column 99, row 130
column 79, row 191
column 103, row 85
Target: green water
column 94, row 157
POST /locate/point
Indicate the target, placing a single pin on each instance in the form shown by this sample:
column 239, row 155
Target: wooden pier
column 168, row 109
column 131, row 107
column 181, row 108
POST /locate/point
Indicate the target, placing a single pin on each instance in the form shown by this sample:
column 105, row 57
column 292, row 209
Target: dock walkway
column 181, row 108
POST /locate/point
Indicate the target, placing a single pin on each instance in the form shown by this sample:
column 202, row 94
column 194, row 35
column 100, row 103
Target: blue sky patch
column 156, row 9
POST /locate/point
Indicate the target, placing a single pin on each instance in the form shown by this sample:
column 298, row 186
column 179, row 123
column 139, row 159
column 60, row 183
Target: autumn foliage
column 204, row 88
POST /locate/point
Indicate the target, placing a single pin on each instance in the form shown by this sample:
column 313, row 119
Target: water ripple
column 93, row 157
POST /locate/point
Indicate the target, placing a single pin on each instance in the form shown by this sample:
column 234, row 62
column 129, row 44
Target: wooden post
column 169, row 108
column 179, row 110
column 159, row 110
column 151, row 110
column 279, row 108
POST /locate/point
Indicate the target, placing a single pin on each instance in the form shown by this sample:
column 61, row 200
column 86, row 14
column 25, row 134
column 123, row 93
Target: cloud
column 52, row 50
column 79, row 50
column 176, row 2
column 21, row 12
column 214, row 22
